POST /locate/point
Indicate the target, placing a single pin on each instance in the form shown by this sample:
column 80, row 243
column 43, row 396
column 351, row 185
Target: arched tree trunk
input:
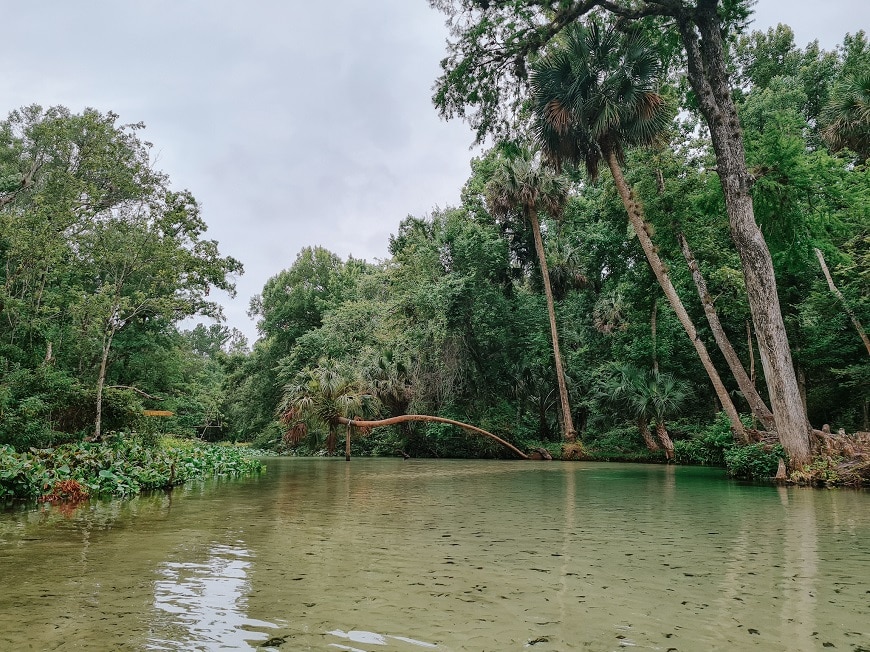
column 744, row 382
column 570, row 434
column 425, row 417
column 635, row 216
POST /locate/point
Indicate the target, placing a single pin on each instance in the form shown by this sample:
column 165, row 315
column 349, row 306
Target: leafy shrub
column 21, row 475
column 120, row 467
column 622, row 443
column 754, row 462
column 708, row 448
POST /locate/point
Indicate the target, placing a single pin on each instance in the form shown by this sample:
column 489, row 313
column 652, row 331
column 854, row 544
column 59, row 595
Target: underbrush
column 122, row 466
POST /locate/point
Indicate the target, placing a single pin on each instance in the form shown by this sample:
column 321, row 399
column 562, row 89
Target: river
column 390, row 555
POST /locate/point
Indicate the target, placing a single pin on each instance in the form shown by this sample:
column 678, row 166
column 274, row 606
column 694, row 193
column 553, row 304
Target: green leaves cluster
column 99, row 259
column 122, row 467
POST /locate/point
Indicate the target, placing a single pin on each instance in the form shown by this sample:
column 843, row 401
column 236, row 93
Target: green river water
column 386, row 555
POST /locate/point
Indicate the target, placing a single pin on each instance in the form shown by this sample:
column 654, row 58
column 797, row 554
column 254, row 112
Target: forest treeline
column 102, row 261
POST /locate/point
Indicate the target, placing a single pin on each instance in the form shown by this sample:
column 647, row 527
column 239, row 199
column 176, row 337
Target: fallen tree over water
column 424, row 418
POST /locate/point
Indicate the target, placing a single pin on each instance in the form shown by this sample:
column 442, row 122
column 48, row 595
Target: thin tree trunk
column 651, row 444
column 652, row 327
column 665, row 439
column 751, row 348
column 347, row 443
column 842, row 299
column 425, row 417
column 101, row 381
column 635, row 216
column 756, row 403
column 705, row 58
column 331, row 439
column 570, row 434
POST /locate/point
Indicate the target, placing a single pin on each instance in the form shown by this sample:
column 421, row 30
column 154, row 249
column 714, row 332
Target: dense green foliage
column 100, row 260
column 120, row 467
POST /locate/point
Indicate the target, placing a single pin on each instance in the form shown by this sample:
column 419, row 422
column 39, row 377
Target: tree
column 144, row 264
column 484, row 71
column 593, row 97
column 524, row 183
column 94, row 242
column 322, row 396
column 329, row 396
column 847, row 115
column 647, row 395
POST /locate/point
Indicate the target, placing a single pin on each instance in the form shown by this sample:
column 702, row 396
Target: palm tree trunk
column 651, row 444
column 747, row 387
column 665, row 439
column 842, row 299
column 347, row 443
column 331, row 439
column 425, row 417
column 707, row 73
column 635, row 216
column 570, row 434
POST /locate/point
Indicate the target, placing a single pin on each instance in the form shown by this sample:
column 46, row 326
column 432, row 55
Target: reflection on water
column 205, row 603
column 406, row 556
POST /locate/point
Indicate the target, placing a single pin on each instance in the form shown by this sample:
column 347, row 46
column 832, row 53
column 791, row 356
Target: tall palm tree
column 595, row 95
column 523, row 183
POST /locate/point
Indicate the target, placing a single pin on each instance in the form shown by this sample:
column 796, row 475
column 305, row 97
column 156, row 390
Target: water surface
column 386, row 555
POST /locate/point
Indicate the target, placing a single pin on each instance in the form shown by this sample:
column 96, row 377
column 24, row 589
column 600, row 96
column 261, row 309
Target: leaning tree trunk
column 567, row 422
column 101, row 383
column 425, row 417
column 705, row 58
column 747, row 387
column 635, row 216
column 651, row 444
column 665, row 439
column 839, row 295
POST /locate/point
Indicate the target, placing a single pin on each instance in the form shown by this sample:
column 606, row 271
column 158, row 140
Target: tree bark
column 665, row 439
column 635, row 216
column 331, row 439
column 747, row 387
column 651, row 444
column 842, row 299
column 347, row 443
column 653, row 328
column 570, row 434
column 425, row 417
column 101, row 381
column 705, row 57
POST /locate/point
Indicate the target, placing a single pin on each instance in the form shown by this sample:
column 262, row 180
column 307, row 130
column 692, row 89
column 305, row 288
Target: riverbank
column 121, row 466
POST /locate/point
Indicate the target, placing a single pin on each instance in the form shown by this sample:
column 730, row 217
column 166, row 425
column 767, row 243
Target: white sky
column 294, row 123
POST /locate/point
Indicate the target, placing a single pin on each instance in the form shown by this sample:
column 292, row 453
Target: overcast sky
column 293, row 122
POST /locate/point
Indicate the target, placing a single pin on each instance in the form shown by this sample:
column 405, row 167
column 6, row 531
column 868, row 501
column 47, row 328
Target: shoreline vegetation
column 120, row 467
column 627, row 275
column 124, row 466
